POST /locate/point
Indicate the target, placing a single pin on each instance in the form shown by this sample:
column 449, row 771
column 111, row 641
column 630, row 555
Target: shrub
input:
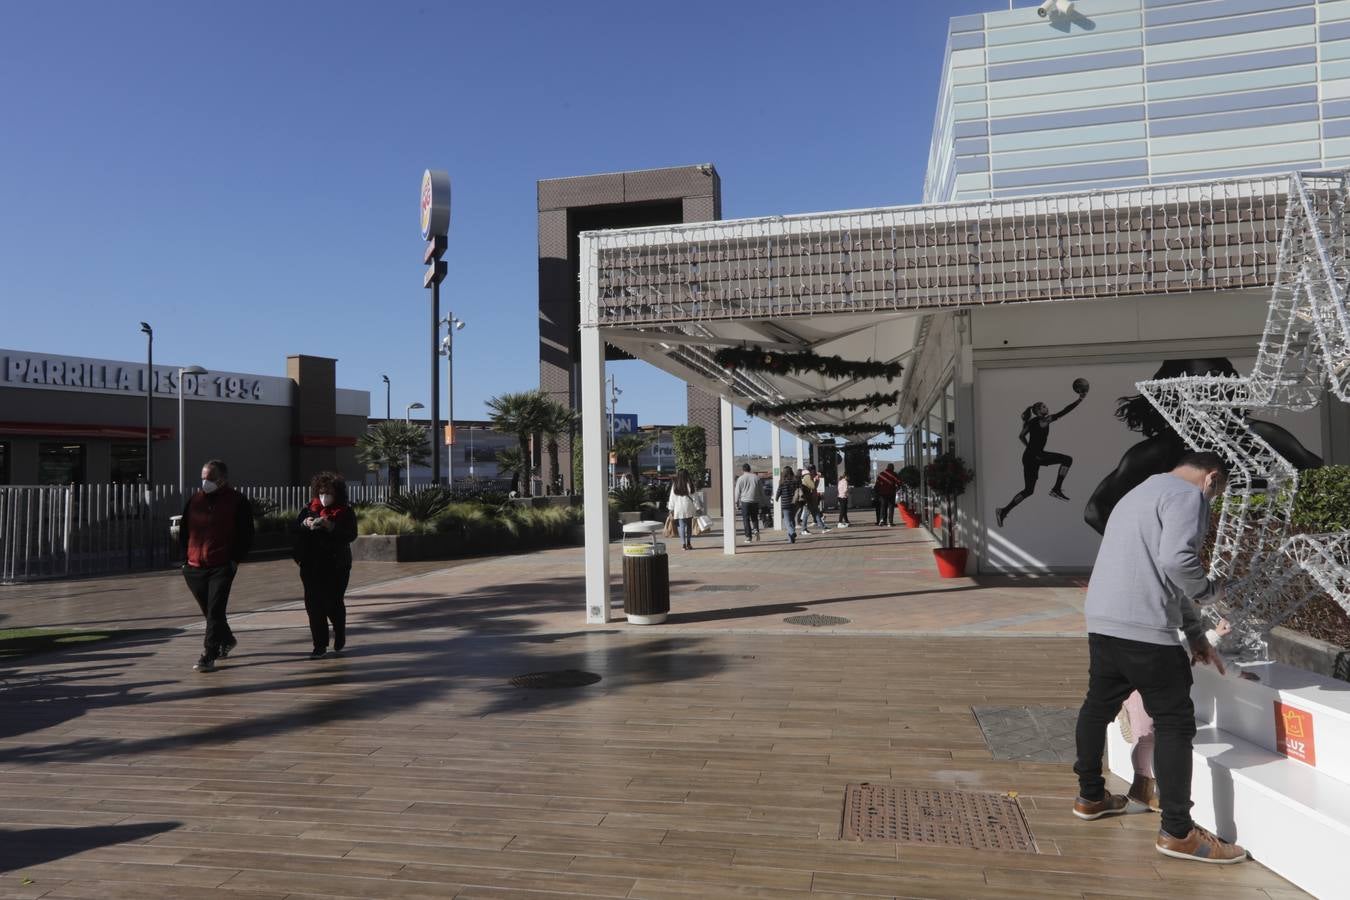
column 947, row 477
column 631, row 498
column 382, row 520
column 275, row 521
column 1323, row 501
column 421, row 506
column 691, row 450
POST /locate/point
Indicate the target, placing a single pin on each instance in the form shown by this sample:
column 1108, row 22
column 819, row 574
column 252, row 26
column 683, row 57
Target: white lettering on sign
column 21, row 370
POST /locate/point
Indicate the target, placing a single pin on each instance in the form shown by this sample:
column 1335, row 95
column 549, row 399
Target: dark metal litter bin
column 646, row 575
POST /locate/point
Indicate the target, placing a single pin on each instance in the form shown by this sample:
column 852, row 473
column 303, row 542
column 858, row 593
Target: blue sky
column 244, row 175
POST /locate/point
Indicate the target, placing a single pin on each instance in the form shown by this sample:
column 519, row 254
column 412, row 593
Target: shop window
column 4, row 462
column 128, row 463
column 61, row 463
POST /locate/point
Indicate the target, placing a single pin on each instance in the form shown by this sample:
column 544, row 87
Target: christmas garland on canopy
column 755, row 359
column 849, row 404
column 867, row 428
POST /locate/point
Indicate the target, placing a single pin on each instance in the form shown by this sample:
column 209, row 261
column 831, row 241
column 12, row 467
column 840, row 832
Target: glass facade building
column 1139, row 92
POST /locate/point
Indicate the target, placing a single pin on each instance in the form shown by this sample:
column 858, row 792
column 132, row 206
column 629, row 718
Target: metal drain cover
column 718, row 588
column 1030, row 733
column 567, row 678
column 970, row 819
column 815, row 620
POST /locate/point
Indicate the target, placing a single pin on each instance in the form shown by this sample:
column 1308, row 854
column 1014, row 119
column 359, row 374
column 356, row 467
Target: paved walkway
column 709, row 760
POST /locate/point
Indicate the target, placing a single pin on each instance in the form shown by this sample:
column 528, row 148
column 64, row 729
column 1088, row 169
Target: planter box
column 1309, row 653
column 417, row 547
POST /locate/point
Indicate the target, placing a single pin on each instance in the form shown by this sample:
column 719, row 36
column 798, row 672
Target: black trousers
column 843, row 510
column 886, row 509
column 1162, row 676
column 750, row 519
column 325, row 587
column 211, row 589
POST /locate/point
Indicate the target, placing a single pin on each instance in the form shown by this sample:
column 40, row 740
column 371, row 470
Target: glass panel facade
column 128, row 463
column 61, row 463
column 4, row 462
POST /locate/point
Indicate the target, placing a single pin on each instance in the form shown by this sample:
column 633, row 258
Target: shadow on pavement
column 34, row 846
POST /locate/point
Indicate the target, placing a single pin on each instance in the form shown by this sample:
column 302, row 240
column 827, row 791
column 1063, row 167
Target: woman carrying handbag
column 683, row 506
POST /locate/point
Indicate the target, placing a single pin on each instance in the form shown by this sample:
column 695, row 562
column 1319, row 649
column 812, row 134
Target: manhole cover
column 567, row 678
column 718, row 588
column 815, row 620
column 1029, row 733
column 974, row 820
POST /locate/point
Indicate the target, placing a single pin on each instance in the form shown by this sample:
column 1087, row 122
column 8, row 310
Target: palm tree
column 558, row 420
column 523, row 415
column 628, row 448
column 511, row 462
column 390, row 444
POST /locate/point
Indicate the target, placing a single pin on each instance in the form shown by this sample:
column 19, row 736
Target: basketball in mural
column 1080, row 386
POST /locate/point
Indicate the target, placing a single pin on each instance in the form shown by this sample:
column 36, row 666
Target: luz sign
column 70, row 373
column 1294, row 733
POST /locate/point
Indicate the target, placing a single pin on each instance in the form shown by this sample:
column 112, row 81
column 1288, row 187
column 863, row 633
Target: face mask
column 209, row 486
column 326, row 499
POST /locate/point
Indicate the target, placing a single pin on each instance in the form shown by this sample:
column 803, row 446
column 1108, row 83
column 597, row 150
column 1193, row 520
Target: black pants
column 211, row 589
column 1162, row 676
column 750, row 519
column 886, row 510
column 325, row 587
column 843, row 510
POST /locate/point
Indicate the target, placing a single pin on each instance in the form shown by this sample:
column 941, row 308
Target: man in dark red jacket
column 216, row 534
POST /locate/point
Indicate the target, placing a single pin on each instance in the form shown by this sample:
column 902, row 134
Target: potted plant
column 948, row 476
column 909, row 482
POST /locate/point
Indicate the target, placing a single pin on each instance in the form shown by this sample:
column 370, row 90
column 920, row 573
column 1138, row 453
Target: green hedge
column 1323, row 501
column 481, row 529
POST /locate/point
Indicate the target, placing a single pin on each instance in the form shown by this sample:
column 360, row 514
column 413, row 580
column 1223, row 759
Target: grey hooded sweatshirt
column 1148, row 572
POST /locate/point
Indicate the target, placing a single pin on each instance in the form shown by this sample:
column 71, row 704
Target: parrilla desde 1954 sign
column 107, row 376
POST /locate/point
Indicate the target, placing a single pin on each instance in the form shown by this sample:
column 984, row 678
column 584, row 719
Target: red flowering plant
column 947, row 477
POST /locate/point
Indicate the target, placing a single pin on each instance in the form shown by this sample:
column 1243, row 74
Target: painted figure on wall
column 1161, row 447
column 1036, row 420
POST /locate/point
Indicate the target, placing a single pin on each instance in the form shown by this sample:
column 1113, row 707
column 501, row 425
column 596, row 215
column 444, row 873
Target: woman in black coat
column 323, row 548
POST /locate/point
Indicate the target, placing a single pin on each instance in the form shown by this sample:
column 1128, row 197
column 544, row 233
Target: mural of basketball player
column 1036, row 420
column 1161, row 447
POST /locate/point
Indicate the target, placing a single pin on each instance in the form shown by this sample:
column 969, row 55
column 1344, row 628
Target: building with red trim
column 66, row 419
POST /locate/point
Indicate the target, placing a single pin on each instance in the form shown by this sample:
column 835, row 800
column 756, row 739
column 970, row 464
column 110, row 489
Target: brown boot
column 1201, row 846
column 1110, row 805
column 1143, row 795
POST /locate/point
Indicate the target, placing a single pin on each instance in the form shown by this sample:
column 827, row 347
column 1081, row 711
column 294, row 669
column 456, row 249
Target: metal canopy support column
column 594, row 474
column 728, row 479
column 776, row 467
column 801, row 456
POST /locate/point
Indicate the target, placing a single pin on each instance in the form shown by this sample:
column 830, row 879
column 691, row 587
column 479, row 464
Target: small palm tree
column 523, row 415
column 391, row 444
column 558, row 420
column 509, row 461
column 628, row 448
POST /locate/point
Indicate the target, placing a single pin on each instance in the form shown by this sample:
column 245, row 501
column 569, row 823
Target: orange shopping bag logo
column 1294, row 733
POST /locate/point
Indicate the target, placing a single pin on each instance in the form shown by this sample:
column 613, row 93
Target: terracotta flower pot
column 937, row 521
column 951, row 561
column 909, row 518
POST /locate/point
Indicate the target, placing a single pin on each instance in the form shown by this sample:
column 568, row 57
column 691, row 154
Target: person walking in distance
column 683, row 505
column 323, row 548
column 810, row 502
column 747, row 496
column 1144, row 587
column 789, row 490
column 216, row 534
column 1036, row 420
column 843, row 500
column 886, row 487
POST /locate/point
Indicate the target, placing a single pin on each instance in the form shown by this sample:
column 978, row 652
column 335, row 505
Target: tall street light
column 448, row 351
column 407, row 418
column 386, row 397
column 149, row 454
column 182, row 428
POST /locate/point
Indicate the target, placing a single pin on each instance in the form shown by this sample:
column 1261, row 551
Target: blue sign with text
column 624, row 423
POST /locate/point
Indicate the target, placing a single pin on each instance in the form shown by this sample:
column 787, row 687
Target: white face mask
column 209, row 486
column 326, row 499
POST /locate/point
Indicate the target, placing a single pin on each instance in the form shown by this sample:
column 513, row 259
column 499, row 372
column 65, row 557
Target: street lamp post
column 407, row 418
column 452, row 325
column 386, row 397
column 182, row 429
column 149, row 454
column 614, row 393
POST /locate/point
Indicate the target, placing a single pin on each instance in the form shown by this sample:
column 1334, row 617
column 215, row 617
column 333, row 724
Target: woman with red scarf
column 323, row 548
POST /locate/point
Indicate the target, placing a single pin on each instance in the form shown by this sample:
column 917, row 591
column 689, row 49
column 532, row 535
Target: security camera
column 1054, row 8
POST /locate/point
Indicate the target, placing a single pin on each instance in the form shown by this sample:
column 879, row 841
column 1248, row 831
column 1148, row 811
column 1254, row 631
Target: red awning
column 72, row 430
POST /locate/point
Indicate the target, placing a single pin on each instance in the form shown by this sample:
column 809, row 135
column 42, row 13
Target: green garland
column 868, row 428
column 849, row 404
column 755, row 359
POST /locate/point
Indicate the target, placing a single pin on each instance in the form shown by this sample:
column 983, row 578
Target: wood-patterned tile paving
column 707, row 763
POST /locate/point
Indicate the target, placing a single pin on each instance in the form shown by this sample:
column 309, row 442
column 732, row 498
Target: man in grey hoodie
column 1144, row 587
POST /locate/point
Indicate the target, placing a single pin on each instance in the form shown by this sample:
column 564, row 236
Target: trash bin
column 646, row 574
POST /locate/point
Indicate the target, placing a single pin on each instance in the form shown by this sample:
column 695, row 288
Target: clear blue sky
column 244, row 175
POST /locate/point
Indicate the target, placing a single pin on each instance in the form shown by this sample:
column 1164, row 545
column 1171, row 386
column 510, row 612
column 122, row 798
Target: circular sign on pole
column 435, row 204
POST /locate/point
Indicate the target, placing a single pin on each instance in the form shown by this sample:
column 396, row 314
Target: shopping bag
column 671, row 528
column 702, row 524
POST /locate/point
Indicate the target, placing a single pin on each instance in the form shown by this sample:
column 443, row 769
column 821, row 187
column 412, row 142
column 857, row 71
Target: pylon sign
column 435, row 204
